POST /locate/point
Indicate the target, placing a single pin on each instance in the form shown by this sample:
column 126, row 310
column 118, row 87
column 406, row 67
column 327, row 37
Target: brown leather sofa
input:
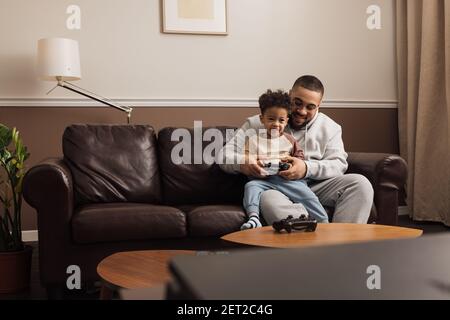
column 117, row 189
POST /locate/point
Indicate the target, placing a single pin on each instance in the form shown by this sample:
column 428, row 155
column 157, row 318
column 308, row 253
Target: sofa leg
column 55, row 292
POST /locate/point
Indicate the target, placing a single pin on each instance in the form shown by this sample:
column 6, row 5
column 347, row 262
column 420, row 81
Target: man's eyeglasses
column 299, row 104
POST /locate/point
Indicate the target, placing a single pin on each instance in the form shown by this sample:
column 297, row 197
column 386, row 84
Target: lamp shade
column 58, row 58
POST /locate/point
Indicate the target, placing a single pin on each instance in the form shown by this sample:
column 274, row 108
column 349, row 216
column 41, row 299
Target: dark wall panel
column 364, row 130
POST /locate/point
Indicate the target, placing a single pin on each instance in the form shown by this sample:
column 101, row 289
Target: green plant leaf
column 12, row 160
column 5, row 136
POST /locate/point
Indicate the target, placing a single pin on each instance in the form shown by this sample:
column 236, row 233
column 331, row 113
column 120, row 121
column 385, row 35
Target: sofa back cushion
column 112, row 163
column 191, row 182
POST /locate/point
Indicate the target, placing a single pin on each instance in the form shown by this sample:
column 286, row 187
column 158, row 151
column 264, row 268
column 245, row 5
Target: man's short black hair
column 310, row 83
column 277, row 98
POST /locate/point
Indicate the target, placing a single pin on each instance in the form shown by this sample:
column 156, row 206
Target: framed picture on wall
column 194, row 16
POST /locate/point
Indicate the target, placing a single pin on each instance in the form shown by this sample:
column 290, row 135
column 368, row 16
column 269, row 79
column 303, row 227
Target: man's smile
column 298, row 117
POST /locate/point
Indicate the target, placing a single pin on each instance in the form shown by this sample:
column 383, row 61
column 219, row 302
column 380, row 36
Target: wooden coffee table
column 325, row 234
column 135, row 269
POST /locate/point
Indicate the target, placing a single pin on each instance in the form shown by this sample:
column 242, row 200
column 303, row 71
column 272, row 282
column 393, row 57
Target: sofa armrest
column 388, row 174
column 48, row 188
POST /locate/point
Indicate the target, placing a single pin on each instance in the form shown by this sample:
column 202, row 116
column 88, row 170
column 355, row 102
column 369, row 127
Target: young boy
column 270, row 147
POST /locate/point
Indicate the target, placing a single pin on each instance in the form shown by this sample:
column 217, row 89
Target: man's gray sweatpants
column 351, row 195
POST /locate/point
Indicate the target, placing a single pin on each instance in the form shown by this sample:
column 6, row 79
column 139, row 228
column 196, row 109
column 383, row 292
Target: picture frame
column 208, row 17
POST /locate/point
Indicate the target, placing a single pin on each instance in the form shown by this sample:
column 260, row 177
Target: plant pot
column 15, row 268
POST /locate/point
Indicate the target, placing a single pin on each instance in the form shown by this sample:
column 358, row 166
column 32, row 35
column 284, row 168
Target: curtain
column 423, row 70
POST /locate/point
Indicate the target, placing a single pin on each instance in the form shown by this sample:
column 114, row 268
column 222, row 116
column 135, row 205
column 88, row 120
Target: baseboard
column 30, row 236
column 403, row 211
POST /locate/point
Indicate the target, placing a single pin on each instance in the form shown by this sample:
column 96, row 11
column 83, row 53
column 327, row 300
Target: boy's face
column 305, row 105
column 275, row 120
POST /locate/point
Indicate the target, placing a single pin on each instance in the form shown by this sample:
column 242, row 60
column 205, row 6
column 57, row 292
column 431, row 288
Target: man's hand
column 296, row 171
column 254, row 170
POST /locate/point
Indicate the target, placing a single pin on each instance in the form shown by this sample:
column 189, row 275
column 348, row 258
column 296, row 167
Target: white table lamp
column 59, row 60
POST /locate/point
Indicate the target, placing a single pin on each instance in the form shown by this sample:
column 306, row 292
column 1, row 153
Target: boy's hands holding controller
column 255, row 170
column 264, row 168
column 290, row 168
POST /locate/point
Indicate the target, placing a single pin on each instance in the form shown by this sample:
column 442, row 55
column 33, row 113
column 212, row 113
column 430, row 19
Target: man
column 324, row 166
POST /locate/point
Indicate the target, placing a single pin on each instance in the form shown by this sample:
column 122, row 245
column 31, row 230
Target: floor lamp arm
column 97, row 98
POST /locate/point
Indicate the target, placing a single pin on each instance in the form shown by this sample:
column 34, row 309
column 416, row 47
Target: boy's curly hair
column 277, row 98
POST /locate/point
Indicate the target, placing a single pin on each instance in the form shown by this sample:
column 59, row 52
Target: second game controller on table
column 291, row 223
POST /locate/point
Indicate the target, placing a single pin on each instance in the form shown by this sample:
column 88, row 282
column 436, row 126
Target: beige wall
column 270, row 43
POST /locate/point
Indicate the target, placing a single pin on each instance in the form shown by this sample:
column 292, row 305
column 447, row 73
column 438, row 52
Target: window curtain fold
column 423, row 78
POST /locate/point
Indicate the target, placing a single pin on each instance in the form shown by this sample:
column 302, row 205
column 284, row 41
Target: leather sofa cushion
column 112, row 163
column 195, row 183
column 125, row 222
column 213, row 220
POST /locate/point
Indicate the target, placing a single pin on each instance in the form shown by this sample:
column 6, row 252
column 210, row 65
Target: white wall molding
column 359, row 104
column 215, row 103
column 30, row 236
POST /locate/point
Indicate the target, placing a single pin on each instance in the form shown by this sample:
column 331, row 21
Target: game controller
column 300, row 223
column 275, row 166
column 283, row 166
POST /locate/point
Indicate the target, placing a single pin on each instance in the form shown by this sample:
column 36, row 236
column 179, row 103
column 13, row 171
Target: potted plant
column 15, row 257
